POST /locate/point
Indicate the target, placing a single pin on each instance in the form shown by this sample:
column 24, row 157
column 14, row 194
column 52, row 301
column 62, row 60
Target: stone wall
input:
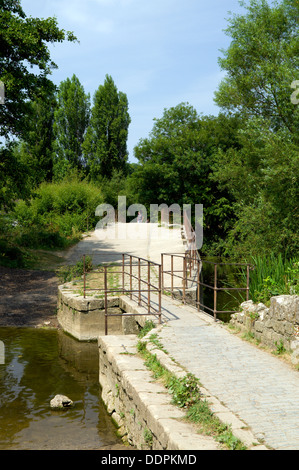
column 274, row 326
column 140, row 407
column 84, row 317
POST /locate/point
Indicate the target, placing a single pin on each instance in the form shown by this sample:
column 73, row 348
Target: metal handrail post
column 148, row 287
column 215, row 291
column 184, row 278
column 198, row 285
column 139, row 281
column 159, row 294
column 106, row 303
column 84, row 276
column 130, row 277
column 247, row 286
column 162, row 272
column 123, row 273
column 172, row 276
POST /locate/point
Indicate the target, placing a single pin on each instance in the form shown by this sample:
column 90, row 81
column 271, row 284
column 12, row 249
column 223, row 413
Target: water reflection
column 228, row 276
column 38, row 365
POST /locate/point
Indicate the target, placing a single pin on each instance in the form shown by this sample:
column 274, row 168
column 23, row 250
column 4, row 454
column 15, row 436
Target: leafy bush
column 57, row 214
column 41, row 238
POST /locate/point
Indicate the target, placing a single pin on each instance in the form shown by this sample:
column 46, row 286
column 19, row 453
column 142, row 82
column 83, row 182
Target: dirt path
column 28, row 298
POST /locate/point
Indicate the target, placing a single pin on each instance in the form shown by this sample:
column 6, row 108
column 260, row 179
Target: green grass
column 149, row 325
column 273, row 275
column 69, row 273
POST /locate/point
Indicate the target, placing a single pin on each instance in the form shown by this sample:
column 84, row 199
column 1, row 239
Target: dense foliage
column 25, row 62
column 71, row 119
column 242, row 164
column 176, row 165
column 105, row 144
column 57, row 211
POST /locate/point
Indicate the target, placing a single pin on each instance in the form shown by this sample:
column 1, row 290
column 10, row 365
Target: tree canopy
column 261, row 64
column 241, row 165
column 25, row 65
column 105, row 145
column 71, row 119
column 25, row 62
column 176, row 163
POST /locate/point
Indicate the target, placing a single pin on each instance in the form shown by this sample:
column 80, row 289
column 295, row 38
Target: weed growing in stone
column 149, row 325
column 186, row 394
column 280, row 349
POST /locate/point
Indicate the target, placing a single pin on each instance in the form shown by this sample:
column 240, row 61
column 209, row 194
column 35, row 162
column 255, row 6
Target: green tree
column 36, row 149
column 176, row 163
column 71, row 119
column 262, row 177
column 25, row 62
column 261, row 63
column 105, row 145
column 13, row 177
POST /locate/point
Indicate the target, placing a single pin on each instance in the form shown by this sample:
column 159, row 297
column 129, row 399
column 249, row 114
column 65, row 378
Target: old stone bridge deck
column 256, row 387
column 247, row 386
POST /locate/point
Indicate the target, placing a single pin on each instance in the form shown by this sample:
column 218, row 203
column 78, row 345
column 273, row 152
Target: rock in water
column 61, row 401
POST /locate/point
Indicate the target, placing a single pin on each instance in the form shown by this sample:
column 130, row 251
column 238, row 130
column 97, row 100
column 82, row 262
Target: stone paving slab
column 147, row 241
column 151, row 401
column 256, row 387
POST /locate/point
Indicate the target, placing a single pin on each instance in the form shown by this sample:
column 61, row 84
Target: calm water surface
column 38, row 365
column 227, row 276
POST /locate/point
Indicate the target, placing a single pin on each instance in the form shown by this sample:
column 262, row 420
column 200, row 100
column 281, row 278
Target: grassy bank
column 273, row 275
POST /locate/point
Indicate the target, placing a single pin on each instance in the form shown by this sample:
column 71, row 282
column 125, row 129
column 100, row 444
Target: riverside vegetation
column 63, row 155
column 242, row 164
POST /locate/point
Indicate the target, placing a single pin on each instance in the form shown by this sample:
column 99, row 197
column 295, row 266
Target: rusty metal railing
column 139, row 278
column 188, row 276
column 180, row 274
column 190, row 235
column 217, row 289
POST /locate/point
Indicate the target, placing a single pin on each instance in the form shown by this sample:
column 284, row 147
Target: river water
column 228, row 276
column 38, row 364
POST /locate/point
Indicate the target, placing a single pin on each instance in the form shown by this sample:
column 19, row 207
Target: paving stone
column 257, row 387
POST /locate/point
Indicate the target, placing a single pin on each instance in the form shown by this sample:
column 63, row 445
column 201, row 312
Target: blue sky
column 159, row 52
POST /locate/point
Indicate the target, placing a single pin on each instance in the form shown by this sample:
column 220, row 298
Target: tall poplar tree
column 105, row 145
column 71, row 119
